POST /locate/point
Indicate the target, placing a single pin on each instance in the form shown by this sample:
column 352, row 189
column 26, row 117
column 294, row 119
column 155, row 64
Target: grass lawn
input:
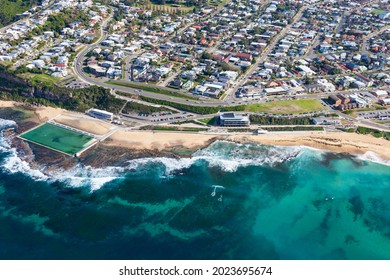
column 8, row 9
column 41, row 78
column 286, row 107
column 223, row 96
column 6, row 63
column 151, row 88
column 374, row 132
column 209, row 121
column 377, row 12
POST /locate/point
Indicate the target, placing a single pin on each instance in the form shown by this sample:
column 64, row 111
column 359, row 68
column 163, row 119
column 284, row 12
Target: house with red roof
column 244, row 56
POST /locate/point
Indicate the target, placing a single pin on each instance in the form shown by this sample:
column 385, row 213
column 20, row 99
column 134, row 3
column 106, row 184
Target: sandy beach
column 146, row 140
column 5, row 104
column 353, row 143
column 85, row 123
column 47, row 113
column 159, row 140
column 43, row 113
column 336, row 141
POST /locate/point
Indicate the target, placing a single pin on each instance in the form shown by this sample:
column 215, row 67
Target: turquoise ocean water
column 229, row 201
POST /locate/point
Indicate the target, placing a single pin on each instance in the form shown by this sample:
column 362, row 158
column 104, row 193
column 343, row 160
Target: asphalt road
column 79, row 59
column 78, row 68
column 264, row 55
column 367, row 38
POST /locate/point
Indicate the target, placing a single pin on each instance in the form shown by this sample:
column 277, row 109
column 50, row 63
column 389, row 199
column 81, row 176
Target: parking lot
column 378, row 114
column 76, row 84
column 159, row 117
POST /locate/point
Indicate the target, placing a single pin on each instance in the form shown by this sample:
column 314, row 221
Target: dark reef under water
column 276, row 203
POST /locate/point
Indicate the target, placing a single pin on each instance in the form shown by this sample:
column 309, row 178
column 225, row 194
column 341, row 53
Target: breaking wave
column 13, row 164
column 5, row 124
column 224, row 155
column 94, row 178
column 80, row 176
column 373, row 157
column 77, row 177
column 227, row 156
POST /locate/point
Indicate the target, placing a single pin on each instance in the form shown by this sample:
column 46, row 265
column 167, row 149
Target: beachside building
column 326, row 121
column 100, row 114
column 233, row 119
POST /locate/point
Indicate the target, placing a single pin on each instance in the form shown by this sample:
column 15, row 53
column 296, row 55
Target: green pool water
column 58, row 138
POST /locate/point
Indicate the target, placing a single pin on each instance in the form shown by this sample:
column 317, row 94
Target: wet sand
column 162, row 141
column 335, row 141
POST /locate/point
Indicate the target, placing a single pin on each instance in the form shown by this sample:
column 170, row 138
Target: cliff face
column 13, row 84
column 16, row 88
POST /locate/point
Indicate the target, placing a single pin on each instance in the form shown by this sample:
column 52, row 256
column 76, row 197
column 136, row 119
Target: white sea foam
column 230, row 156
column 171, row 164
column 95, row 178
column 227, row 156
column 77, row 177
column 229, row 160
column 224, row 155
column 373, row 157
column 4, row 124
column 14, row 164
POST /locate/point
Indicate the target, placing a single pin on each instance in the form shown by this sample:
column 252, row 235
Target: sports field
column 57, row 138
column 287, row 106
column 377, row 11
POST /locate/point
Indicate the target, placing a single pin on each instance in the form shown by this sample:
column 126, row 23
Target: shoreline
column 128, row 143
column 339, row 142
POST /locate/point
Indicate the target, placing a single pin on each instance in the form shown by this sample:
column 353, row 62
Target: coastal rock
column 49, row 161
column 103, row 155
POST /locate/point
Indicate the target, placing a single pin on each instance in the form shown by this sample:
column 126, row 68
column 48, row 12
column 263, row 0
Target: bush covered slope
column 10, row 8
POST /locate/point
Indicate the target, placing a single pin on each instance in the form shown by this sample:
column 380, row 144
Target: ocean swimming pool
column 58, row 138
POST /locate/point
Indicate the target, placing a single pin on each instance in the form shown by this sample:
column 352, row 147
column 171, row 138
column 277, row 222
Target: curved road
column 78, row 68
column 79, row 59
